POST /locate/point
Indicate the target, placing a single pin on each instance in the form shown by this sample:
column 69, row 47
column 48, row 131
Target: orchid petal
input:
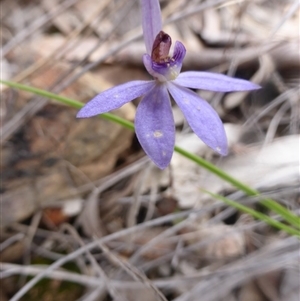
column 155, row 127
column 171, row 68
column 202, row 118
column 148, row 63
column 213, row 82
column 151, row 21
column 115, row 97
column 179, row 52
column 168, row 70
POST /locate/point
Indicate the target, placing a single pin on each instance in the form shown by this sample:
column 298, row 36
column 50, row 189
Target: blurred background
column 67, row 182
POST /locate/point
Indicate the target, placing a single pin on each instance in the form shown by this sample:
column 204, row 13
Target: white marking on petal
column 186, row 100
column 116, row 96
column 218, row 149
column 157, row 134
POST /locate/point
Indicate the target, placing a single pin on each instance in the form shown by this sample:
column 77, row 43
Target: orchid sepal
column 154, row 123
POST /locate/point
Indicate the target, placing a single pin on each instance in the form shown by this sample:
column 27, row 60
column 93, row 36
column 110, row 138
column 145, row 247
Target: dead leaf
column 220, row 242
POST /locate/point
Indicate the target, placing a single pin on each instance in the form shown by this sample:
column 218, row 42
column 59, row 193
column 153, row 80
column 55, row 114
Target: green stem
column 256, row 214
column 269, row 203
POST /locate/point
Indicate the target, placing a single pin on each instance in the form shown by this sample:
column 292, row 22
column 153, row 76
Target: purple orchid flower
column 154, row 123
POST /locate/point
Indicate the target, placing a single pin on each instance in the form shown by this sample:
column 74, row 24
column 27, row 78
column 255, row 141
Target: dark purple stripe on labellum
column 161, row 47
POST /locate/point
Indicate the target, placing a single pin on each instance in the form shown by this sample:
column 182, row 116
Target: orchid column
column 154, row 121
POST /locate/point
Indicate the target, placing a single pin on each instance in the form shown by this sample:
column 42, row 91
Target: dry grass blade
column 276, row 256
column 36, row 25
column 132, row 271
column 79, row 194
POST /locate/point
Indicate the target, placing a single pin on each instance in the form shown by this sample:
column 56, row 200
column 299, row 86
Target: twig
column 272, row 257
column 131, row 270
column 44, row 19
column 136, row 204
column 28, row 240
column 266, row 109
column 11, row 240
column 94, row 244
column 60, row 51
column 275, row 122
column 94, row 263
